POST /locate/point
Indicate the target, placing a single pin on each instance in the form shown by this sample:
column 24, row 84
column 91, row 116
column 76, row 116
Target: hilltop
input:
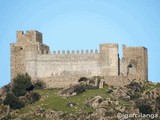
column 86, row 103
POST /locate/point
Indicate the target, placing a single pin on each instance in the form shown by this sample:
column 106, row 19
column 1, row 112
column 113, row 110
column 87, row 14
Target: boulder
column 95, row 101
column 72, row 90
column 100, row 114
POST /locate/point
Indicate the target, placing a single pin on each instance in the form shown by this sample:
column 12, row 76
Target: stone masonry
column 62, row 68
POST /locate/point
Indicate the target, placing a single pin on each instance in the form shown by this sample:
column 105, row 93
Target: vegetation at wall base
column 13, row 101
column 20, row 92
column 20, row 83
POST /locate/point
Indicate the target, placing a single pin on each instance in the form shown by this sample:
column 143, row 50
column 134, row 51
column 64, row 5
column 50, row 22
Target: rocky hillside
column 135, row 101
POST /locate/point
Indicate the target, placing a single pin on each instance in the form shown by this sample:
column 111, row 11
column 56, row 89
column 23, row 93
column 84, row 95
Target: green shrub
column 13, row 101
column 32, row 97
column 20, row 83
column 144, row 106
column 145, row 109
column 39, row 85
column 79, row 88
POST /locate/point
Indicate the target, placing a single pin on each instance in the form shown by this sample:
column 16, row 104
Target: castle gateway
column 62, row 68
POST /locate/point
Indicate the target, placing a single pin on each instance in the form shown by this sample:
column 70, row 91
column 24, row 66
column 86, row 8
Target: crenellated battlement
column 73, row 52
column 32, row 35
column 68, row 55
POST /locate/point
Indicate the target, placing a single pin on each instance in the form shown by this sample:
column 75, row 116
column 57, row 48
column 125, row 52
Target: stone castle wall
column 47, row 65
column 62, row 68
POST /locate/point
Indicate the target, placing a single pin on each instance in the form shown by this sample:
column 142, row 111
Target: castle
column 59, row 69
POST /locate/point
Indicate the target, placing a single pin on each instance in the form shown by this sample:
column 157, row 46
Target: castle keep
column 61, row 68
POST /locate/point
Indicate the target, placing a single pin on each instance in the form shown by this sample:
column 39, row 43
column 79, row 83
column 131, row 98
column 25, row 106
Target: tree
column 13, row 101
column 20, row 83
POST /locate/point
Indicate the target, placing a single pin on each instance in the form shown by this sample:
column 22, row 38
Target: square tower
column 134, row 63
column 109, row 59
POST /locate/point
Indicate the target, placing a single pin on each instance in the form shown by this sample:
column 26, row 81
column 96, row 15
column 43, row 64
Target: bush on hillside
column 145, row 109
column 32, row 97
column 144, row 106
column 20, row 83
column 39, row 85
column 13, row 101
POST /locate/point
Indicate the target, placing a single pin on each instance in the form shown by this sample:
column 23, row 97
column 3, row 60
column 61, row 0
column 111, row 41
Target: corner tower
column 26, row 47
column 134, row 63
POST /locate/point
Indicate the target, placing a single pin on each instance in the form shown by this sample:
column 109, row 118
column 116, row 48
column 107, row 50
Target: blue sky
column 82, row 24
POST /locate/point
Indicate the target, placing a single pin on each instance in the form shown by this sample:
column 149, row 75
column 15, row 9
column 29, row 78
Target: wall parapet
column 67, row 57
column 67, row 52
column 76, row 52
